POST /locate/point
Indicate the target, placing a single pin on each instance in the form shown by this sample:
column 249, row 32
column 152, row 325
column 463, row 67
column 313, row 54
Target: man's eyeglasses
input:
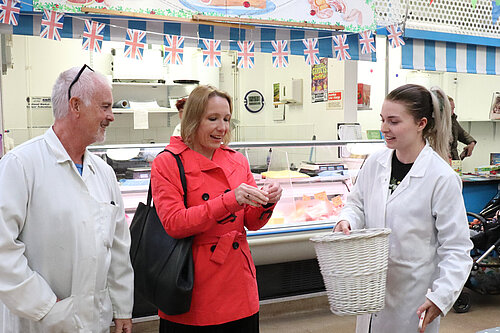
column 76, row 79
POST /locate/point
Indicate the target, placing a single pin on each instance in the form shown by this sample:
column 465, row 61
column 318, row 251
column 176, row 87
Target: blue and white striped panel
column 236, row 35
column 190, row 33
column 450, row 57
column 214, row 32
column 296, row 45
column 155, row 32
column 29, row 25
column 115, row 30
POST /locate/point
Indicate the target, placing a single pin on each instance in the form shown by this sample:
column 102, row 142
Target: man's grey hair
column 85, row 88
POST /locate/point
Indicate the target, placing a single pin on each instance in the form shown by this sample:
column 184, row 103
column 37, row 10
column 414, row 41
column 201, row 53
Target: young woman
column 223, row 199
column 410, row 188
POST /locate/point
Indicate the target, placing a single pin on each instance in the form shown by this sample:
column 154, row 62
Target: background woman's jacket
column 429, row 244
column 225, row 288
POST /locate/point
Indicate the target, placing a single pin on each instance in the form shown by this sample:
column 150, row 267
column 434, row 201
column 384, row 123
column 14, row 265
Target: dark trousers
column 245, row 325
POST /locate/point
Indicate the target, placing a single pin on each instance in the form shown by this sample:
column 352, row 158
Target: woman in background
column 410, row 188
column 180, row 107
column 223, row 199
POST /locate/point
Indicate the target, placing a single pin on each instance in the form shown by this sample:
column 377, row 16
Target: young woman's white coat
column 429, row 243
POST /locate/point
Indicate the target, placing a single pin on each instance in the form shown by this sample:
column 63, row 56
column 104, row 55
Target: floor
column 312, row 315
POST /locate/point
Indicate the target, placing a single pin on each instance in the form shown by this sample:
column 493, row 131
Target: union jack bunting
column 211, row 53
column 395, row 36
column 340, row 47
column 9, row 11
column 280, row 53
column 367, row 42
column 311, row 51
column 134, row 44
column 174, row 50
column 246, row 55
column 93, row 36
column 52, row 22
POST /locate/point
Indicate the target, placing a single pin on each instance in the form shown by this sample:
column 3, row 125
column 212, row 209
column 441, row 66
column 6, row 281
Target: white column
column 2, row 133
column 350, row 91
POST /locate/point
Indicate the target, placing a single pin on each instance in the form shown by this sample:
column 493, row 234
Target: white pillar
column 2, row 133
column 350, row 91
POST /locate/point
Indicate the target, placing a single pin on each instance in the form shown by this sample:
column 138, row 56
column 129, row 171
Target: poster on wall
column 354, row 15
column 39, row 111
column 335, row 100
column 319, row 81
column 276, row 92
column 495, row 106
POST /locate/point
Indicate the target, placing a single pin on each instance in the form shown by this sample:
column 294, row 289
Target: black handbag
column 163, row 266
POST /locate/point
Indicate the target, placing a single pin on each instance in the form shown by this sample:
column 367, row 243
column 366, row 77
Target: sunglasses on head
column 76, row 79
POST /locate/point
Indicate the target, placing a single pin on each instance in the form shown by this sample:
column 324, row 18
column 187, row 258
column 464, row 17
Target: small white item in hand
column 422, row 316
column 421, row 321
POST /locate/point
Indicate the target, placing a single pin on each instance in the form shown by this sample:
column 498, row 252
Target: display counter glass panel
column 316, row 177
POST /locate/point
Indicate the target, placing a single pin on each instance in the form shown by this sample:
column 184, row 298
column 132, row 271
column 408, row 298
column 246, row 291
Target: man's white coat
column 62, row 236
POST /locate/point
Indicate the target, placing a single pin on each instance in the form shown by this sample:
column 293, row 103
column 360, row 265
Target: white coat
column 62, row 236
column 429, row 244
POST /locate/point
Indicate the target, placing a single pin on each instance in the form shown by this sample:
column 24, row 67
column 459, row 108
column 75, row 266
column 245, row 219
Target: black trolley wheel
column 462, row 304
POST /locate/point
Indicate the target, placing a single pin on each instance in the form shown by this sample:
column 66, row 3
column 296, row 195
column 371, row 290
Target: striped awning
column 442, row 56
column 115, row 30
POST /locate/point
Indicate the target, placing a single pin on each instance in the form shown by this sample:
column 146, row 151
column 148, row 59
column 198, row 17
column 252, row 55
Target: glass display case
column 316, row 177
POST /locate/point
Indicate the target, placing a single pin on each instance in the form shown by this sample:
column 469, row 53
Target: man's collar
column 60, row 152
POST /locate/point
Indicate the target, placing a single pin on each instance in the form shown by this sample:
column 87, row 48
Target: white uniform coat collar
column 62, row 155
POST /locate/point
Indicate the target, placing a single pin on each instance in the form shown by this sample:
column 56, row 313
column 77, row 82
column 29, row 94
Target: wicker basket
column 354, row 269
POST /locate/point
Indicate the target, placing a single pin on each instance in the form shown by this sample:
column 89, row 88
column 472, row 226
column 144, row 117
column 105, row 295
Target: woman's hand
column 432, row 311
column 123, row 325
column 274, row 191
column 342, row 226
column 246, row 194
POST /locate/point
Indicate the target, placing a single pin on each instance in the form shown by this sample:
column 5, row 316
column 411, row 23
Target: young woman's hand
column 246, row 194
column 343, row 226
column 432, row 311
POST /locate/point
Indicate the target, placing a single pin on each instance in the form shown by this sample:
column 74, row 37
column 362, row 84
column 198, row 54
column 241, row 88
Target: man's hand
column 432, row 311
column 123, row 325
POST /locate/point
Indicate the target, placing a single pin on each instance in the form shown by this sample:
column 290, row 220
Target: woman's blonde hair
column 432, row 104
column 195, row 108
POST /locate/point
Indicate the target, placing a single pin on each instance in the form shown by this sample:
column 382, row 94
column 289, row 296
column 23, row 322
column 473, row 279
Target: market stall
column 289, row 65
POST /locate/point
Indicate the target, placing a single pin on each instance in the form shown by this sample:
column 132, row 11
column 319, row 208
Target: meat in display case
column 316, row 177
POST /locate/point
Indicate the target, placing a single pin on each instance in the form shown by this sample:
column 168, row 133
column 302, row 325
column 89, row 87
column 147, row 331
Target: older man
column 64, row 242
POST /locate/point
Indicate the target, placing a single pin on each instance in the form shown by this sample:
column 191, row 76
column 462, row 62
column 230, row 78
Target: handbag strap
column 181, row 173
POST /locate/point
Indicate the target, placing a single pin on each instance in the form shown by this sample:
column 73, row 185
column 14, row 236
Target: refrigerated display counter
column 316, row 177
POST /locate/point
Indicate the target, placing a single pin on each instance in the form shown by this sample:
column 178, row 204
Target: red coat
column 225, row 288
